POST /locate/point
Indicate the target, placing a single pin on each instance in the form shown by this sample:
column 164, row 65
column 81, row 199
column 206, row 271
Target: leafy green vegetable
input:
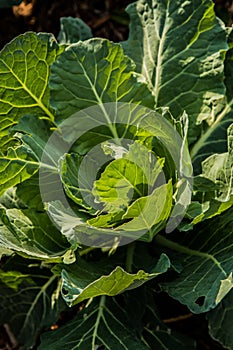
column 99, row 208
column 104, row 74
column 185, row 54
column 98, row 283
column 73, row 30
column 24, row 69
column 29, row 306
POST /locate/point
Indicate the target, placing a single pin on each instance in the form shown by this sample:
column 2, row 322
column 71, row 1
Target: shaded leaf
column 220, row 322
column 31, row 233
column 73, row 30
column 28, row 309
column 104, row 322
column 206, row 256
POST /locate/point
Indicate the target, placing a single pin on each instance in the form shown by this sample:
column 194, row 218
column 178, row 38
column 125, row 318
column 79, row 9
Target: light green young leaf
column 178, row 48
column 150, row 212
column 107, row 220
column 78, row 286
column 94, row 72
column 73, row 30
column 24, row 69
column 147, row 161
column 119, row 183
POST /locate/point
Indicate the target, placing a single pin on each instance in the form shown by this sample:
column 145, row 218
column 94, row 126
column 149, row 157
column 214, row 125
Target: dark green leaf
column 73, row 30
column 221, row 318
column 206, row 254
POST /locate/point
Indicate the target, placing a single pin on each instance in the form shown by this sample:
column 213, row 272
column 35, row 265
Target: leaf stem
column 100, row 314
column 35, row 301
column 161, row 240
column 86, row 251
column 129, row 256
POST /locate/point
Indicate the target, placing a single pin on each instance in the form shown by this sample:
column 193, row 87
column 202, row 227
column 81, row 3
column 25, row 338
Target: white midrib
column 159, row 60
column 98, row 319
column 100, row 102
column 35, row 301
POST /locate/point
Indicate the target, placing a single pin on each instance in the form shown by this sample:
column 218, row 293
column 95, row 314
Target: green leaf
column 24, row 69
column 204, row 211
column 178, row 48
column 71, row 180
column 10, row 200
column 206, row 256
column 22, row 162
column 213, row 140
column 16, row 166
column 119, row 183
column 150, row 212
column 4, row 251
column 219, row 169
column 73, row 30
column 107, row 220
column 141, row 307
column 147, row 161
column 155, row 333
column 78, row 286
column 29, row 309
column 104, row 322
column 220, row 320
column 13, row 279
column 31, row 233
column 94, row 72
column 213, row 188
column 29, row 193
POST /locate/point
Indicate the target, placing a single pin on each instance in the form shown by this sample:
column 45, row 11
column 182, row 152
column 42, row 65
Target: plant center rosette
column 116, row 172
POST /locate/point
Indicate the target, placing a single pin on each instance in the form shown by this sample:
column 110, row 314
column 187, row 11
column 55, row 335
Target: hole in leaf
column 65, row 291
column 200, row 301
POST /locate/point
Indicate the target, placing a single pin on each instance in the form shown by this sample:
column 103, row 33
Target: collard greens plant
column 170, row 87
